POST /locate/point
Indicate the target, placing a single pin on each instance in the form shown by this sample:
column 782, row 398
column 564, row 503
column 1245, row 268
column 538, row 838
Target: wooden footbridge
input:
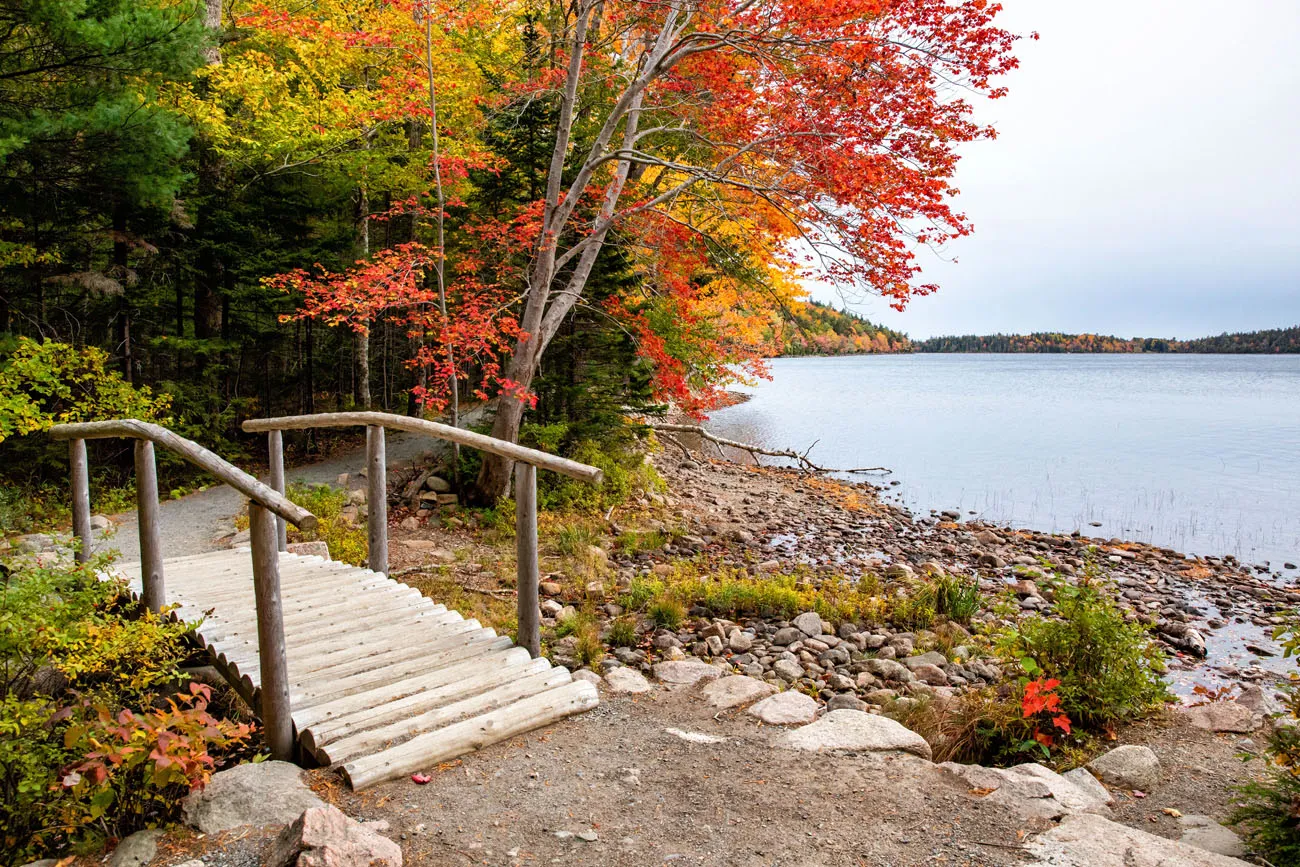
column 344, row 665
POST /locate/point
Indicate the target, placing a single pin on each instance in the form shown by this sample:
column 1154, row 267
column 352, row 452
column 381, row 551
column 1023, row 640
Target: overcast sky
column 1145, row 182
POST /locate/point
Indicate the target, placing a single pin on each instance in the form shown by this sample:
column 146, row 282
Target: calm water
column 1198, row 453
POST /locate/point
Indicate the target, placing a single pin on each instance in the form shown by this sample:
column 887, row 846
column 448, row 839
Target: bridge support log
column 272, row 661
column 153, row 592
column 526, row 575
column 275, row 451
column 377, row 498
column 80, row 498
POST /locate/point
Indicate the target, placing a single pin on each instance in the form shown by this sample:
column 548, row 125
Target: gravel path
column 196, row 523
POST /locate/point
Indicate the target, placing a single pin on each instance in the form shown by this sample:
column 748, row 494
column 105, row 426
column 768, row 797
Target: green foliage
column 622, row 632
column 1109, row 668
column 956, row 598
column 88, row 748
column 347, row 543
column 666, row 613
column 636, row 541
column 47, row 383
column 574, row 539
column 915, row 607
column 622, row 458
column 1267, row 808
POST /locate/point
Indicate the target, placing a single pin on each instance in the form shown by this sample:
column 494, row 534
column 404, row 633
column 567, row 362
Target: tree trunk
column 362, row 396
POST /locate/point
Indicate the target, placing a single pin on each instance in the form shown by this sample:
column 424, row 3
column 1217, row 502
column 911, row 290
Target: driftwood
column 800, row 458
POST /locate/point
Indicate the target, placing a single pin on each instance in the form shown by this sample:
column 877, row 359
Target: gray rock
column 137, row 850
column 309, row 549
column 931, row 674
column 324, row 837
column 735, row 691
column 1088, row 840
column 588, row 676
column 786, row 635
column 1205, row 833
column 934, row 657
column 1222, row 716
column 264, row 793
column 1085, row 782
column 809, row 623
column 625, row 681
column 686, row 671
column 1129, row 767
column 785, row 709
column 846, row 701
column 99, row 522
column 740, row 642
column 888, row 669
column 438, row 485
column 788, row 670
column 854, row 731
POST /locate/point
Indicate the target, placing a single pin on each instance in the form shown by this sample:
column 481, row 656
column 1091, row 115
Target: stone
column 357, row 497
column 626, row 681
column 1031, row 791
column 1128, row 767
column 324, row 837
column 1090, row 786
column 854, row 731
column 736, row 690
column 740, row 642
column 551, row 608
column 409, row 523
column 1222, row 716
column 888, row 669
column 99, row 522
column 846, row 701
column 686, row 671
column 809, row 623
column 309, row 549
column 426, row 548
column 137, row 850
column 931, row 674
column 769, row 566
column 262, row 793
column 1088, row 840
column 586, row 674
column 438, row 485
column 1205, row 833
column 551, row 588
column 788, row 670
column 785, row 709
column 934, row 657
column 786, row 635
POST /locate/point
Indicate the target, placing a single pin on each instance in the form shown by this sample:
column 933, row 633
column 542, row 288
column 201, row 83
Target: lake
column 1200, row 453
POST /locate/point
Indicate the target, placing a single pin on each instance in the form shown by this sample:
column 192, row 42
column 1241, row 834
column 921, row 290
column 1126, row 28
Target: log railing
column 265, row 506
column 527, row 463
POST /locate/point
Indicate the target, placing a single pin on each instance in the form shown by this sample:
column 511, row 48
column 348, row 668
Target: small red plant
column 1041, row 705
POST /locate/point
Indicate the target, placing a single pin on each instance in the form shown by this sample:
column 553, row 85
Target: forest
column 1274, row 341
column 211, row 211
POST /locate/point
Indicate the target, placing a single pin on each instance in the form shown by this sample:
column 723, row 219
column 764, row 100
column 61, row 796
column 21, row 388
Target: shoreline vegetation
column 821, row 330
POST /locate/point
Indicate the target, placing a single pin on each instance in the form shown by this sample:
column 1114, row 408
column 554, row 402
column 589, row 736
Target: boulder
column 787, row 708
column 1031, row 791
column 324, row 837
column 1088, row 840
column 854, row 731
column 262, row 793
column 740, row 642
column 809, row 623
column 1128, row 767
column 931, row 674
column 786, row 635
column 137, row 850
column 626, row 681
column 788, row 670
column 736, row 690
column 309, row 549
column 934, row 657
column 888, row 669
column 686, row 671
column 1222, row 716
column 1205, row 833
column 426, row 548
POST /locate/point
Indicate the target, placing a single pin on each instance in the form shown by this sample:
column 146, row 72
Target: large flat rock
column 736, row 690
column 1088, row 840
column 855, row 731
column 265, row 793
column 686, row 671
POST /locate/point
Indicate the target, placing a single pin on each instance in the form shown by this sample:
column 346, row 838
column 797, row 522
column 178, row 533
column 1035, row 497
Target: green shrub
column 622, row 632
column 1109, row 668
column 574, row 539
column 347, row 543
column 635, row 541
column 956, row 598
column 915, row 607
column 666, row 613
column 1267, row 809
column 88, row 746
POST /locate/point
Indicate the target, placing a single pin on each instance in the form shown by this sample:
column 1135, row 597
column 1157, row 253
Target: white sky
column 1145, row 182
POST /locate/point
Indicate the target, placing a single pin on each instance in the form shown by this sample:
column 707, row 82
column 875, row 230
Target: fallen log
column 801, row 458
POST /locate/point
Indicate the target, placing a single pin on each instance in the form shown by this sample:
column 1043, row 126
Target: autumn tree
column 841, row 117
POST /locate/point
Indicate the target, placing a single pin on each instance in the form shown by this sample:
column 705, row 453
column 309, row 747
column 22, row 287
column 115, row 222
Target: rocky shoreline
column 1214, row 616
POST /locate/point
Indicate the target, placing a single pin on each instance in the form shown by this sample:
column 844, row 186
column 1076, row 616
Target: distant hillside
column 1275, row 341
column 820, row 329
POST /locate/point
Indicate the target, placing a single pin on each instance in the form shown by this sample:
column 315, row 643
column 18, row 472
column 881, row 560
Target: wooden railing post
column 152, row 590
column 80, row 498
column 272, row 661
column 275, row 448
column 377, row 498
column 526, row 575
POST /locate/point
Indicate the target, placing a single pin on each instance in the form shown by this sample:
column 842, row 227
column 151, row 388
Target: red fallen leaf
column 420, row 779
column 1138, row 794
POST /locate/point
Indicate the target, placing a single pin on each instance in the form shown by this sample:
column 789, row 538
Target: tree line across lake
column 821, row 329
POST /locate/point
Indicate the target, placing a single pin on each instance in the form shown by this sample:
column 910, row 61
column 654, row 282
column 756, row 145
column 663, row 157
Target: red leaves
column 420, row 779
column 1041, row 703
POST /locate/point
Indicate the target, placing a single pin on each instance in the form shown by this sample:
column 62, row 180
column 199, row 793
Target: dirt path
column 194, row 524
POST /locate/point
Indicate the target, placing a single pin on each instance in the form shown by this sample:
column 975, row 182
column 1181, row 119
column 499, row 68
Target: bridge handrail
column 482, row 442
column 196, row 454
